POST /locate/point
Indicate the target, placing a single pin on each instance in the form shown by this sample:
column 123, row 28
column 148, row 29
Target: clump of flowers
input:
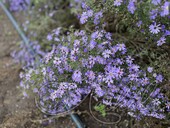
column 28, row 56
column 140, row 18
column 84, row 63
column 19, row 5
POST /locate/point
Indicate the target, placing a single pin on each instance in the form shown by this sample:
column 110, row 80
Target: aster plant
column 84, row 63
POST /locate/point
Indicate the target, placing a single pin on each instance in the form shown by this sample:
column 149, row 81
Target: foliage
column 101, row 109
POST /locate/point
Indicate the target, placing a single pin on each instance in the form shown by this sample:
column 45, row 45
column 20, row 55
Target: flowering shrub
column 133, row 23
column 82, row 63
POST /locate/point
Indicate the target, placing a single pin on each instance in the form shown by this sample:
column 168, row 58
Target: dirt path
column 16, row 112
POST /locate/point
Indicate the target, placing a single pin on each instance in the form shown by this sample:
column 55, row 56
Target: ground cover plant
column 115, row 50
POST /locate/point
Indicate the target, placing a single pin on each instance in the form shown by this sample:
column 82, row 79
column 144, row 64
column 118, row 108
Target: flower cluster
column 27, row 56
column 82, row 63
column 19, row 5
column 151, row 17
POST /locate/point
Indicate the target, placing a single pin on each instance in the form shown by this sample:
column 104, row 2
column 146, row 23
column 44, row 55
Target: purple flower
column 57, row 61
column 96, row 35
column 97, row 17
column 144, row 111
column 118, row 61
column 82, row 33
column 84, row 62
column 150, row 69
column 61, row 89
column 113, row 72
column 163, row 27
column 107, row 102
column 134, row 67
column 145, row 81
column 118, row 2
column 44, row 71
column 77, row 76
column 108, row 35
column 99, row 14
column 95, row 85
column 161, row 41
column 85, row 39
column 19, row 5
column 131, row 7
column 90, row 75
column 91, row 61
column 121, row 47
column 119, row 72
column 156, row 115
column 139, row 23
column 57, row 31
column 167, row 33
column 165, row 9
column 72, row 86
column 155, row 29
column 85, row 50
column 99, row 91
column 156, row 2
column 83, row 4
column 25, row 94
column 92, row 44
column 49, row 37
column 96, row 21
column 64, row 50
column 76, row 43
column 100, row 60
column 110, row 72
column 156, row 102
column 133, row 77
column 129, row 60
column 35, row 90
column 153, row 14
column 90, row 13
column 109, row 78
column 83, row 18
column 106, row 53
column 168, row 105
column 159, row 78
